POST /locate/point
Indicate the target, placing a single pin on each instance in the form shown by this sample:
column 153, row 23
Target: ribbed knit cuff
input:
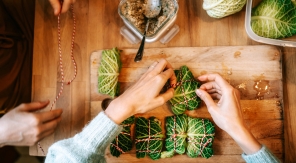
column 98, row 134
column 262, row 156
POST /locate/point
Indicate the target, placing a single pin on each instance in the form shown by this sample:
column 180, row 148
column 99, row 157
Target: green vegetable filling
column 184, row 95
column 176, row 132
column 200, row 138
column 148, row 138
column 194, row 134
column 123, row 142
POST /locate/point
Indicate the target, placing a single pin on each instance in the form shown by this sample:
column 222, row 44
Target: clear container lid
column 133, row 39
column 289, row 42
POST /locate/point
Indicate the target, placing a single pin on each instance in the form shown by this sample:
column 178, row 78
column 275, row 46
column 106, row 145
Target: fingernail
column 198, row 92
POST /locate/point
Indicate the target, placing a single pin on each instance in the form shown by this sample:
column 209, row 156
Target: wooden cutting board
column 256, row 71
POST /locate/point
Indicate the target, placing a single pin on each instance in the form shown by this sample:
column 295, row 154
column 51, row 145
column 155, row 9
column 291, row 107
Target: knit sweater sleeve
column 262, row 156
column 87, row 146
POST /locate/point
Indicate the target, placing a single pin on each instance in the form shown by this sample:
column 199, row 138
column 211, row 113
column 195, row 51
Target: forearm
column 87, row 146
column 254, row 152
column 117, row 111
column 244, row 138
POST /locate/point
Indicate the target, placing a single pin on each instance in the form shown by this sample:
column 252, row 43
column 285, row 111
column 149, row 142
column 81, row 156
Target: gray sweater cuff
column 262, row 156
column 98, row 134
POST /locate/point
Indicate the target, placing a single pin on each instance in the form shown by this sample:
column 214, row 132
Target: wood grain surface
column 241, row 66
column 97, row 27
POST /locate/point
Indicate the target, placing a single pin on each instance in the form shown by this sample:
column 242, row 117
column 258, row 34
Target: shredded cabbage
column 223, row 8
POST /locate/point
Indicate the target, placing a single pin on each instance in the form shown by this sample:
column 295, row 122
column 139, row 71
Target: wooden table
column 97, row 27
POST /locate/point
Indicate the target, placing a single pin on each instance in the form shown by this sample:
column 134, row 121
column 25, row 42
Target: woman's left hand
column 144, row 95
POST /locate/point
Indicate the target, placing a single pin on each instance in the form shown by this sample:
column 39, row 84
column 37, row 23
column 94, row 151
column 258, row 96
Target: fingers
column 152, row 66
column 45, row 134
column 206, row 98
column 216, row 79
column 56, row 5
column 162, row 64
column 33, row 106
column 48, row 128
column 216, row 96
column 167, row 74
column 163, row 98
column 49, row 115
column 213, row 91
column 51, row 125
column 57, row 8
column 67, row 5
column 165, row 65
column 173, row 78
column 210, row 86
column 149, row 73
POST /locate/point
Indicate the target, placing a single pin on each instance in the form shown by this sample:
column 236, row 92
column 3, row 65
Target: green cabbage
column 274, row 19
column 176, row 134
column 184, row 95
column 108, row 72
column 148, row 138
column 200, row 138
column 123, row 142
column 223, row 8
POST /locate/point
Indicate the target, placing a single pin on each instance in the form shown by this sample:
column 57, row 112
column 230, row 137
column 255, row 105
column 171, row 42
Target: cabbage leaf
column 184, row 95
column 176, row 134
column 200, row 136
column 222, row 8
column 274, row 19
column 108, row 72
column 123, row 142
column 148, row 138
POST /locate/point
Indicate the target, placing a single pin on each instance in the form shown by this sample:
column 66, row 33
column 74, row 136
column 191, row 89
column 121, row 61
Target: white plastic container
column 289, row 42
column 164, row 33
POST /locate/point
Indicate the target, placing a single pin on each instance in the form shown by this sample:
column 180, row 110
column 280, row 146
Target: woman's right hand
column 23, row 126
column 227, row 112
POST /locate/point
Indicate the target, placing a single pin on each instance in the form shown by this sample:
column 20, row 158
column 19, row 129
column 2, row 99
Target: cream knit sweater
column 89, row 145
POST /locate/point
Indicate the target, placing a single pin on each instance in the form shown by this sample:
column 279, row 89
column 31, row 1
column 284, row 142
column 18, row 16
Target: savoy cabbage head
column 123, row 142
column 200, row 136
column 108, row 72
column 176, row 134
column 148, row 138
column 184, row 95
column 274, row 19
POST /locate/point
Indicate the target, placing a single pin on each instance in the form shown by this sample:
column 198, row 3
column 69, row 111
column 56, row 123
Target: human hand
column 22, row 126
column 144, row 95
column 227, row 112
column 57, row 8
